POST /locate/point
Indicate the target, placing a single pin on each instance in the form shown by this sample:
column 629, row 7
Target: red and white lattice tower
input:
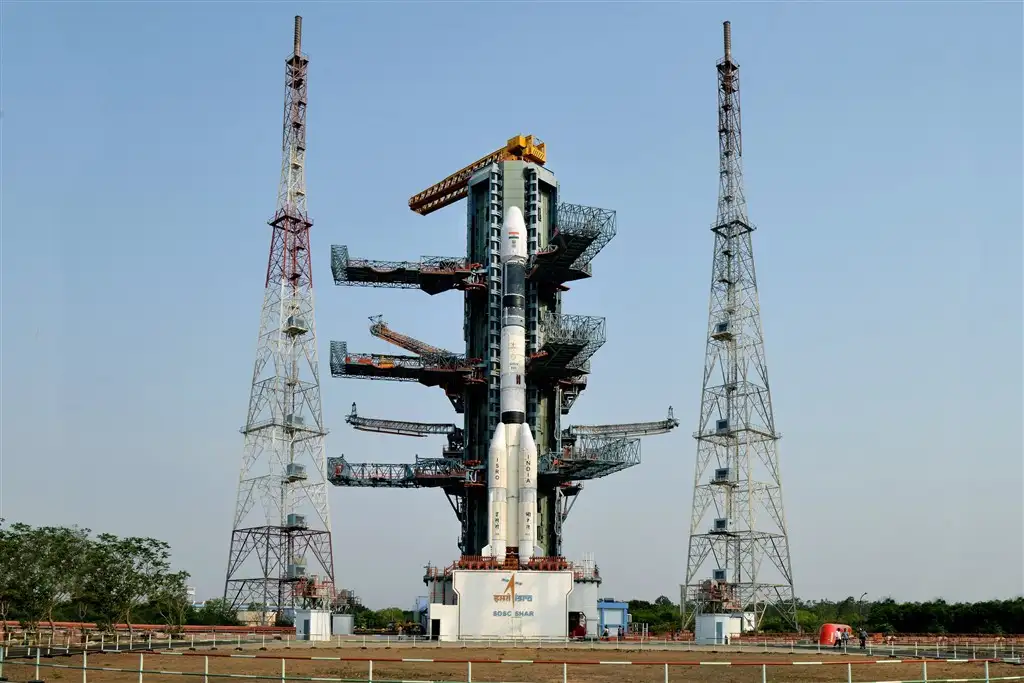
column 282, row 527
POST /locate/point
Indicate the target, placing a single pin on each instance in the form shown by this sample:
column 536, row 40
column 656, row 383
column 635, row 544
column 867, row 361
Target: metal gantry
column 737, row 521
column 282, row 529
column 562, row 241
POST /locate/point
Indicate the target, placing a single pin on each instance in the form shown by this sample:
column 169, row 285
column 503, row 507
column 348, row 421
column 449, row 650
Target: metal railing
column 17, row 644
column 540, row 671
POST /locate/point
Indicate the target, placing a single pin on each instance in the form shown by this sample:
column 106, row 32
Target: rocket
column 512, row 454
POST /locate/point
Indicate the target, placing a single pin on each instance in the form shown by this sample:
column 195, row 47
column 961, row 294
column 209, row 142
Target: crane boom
column 455, row 187
column 399, row 427
column 380, row 329
column 625, row 430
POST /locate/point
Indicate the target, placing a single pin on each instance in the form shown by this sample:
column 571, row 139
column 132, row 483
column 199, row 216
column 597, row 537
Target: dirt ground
column 297, row 664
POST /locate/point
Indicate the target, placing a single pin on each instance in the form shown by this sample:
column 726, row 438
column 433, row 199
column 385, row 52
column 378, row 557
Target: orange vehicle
column 828, row 632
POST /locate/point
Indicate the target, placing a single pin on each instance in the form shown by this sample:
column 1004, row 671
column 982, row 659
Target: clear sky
column 883, row 156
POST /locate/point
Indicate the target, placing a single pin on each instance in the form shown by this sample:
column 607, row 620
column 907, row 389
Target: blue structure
column 613, row 616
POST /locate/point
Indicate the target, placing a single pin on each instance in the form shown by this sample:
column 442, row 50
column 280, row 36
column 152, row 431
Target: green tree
column 217, row 612
column 63, row 554
column 9, row 553
column 33, row 582
column 171, row 600
column 128, row 575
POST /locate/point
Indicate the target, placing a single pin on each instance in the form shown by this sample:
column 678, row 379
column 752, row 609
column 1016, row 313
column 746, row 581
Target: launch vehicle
column 512, row 454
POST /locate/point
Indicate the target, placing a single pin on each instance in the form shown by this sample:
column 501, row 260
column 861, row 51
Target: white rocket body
column 512, row 455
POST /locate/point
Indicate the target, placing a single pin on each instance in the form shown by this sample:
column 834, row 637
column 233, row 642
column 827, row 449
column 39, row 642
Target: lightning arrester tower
column 281, row 516
column 737, row 520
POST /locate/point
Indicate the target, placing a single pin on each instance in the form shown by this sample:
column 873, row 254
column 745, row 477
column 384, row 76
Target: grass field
column 297, row 666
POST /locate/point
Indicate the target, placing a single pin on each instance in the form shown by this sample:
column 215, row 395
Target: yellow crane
column 455, row 187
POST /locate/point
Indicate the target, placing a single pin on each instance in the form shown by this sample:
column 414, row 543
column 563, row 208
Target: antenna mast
column 282, row 521
column 737, row 520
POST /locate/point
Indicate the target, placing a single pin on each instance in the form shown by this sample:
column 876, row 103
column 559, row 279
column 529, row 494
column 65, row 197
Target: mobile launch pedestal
column 498, row 605
column 510, row 470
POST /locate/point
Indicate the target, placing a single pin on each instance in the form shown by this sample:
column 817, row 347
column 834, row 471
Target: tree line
column 51, row 573
column 938, row 617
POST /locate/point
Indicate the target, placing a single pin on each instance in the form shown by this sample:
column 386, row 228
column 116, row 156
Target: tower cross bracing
column 738, row 557
column 281, row 532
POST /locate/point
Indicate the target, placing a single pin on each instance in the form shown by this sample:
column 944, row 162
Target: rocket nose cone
column 514, row 219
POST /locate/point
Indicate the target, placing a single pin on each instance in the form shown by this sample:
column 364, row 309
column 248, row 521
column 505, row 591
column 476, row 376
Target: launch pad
column 560, row 243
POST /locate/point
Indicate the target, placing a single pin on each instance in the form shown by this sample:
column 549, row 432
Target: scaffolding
column 581, row 233
column 627, row 429
column 453, row 373
column 569, row 341
column 432, row 274
column 405, row 428
column 423, row 473
column 589, row 458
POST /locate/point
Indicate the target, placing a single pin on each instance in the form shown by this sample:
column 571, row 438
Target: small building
column 442, row 622
column 717, row 629
column 342, row 624
column 312, row 624
column 613, row 617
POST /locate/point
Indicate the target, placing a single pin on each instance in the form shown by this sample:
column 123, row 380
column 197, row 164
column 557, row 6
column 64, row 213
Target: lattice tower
column 737, row 521
column 281, row 514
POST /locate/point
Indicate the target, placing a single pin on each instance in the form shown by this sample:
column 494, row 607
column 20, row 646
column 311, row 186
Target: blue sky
column 883, row 155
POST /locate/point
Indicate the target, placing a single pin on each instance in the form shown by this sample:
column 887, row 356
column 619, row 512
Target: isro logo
column 510, row 595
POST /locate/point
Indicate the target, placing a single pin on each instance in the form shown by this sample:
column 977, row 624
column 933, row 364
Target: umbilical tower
column 562, row 240
column 282, row 522
column 737, row 520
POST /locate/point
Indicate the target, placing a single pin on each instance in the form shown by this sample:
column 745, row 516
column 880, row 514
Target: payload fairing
column 512, row 455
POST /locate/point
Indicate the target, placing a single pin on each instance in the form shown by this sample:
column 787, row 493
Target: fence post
column 936, row 648
column 2, row 677
column 849, row 672
column 117, row 641
column 149, row 642
column 37, row 679
column 193, row 642
column 85, row 667
column 141, row 656
column 469, row 672
column 264, row 645
column 206, row 668
column 238, row 641
column 102, row 636
column 371, row 672
column 131, row 641
column 974, row 651
column 214, row 647
column 565, row 672
column 282, row 670
column 666, row 672
column 986, row 671
column 764, row 673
